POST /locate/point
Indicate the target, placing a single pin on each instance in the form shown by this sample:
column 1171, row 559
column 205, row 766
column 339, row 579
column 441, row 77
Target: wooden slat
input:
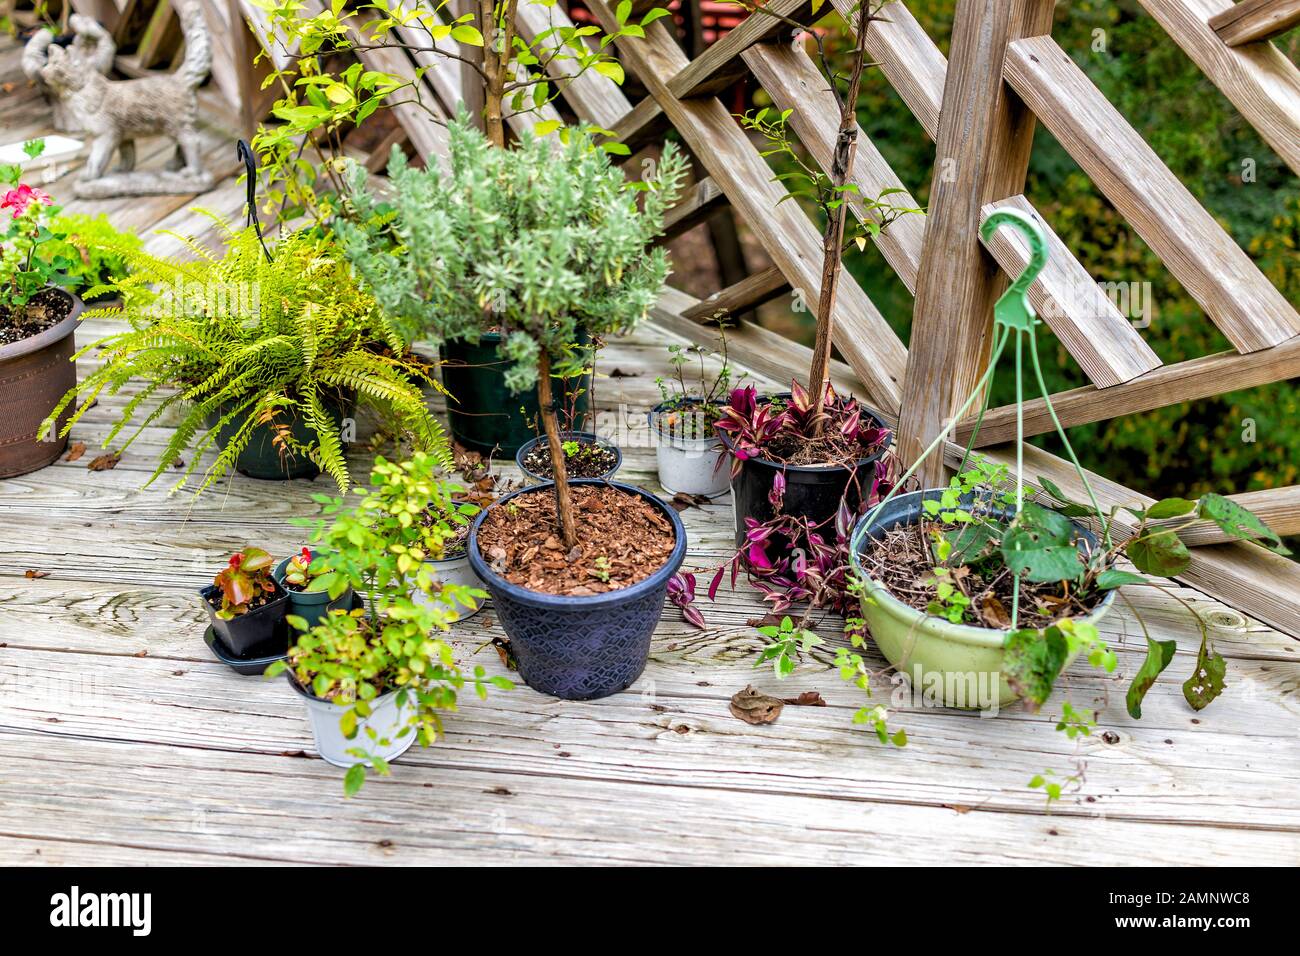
column 1251, row 21
column 910, row 60
column 1259, row 79
column 720, row 65
column 1167, row 385
column 789, row 76
column 645, row 123
column 105, row 11
column 982, row 156
column 1279, row 508
column 1103, row 342
column 593, row 96
column 749, row 293
column 162, row 37
column 791, row 240
column 701, row 201
column 1205, row 260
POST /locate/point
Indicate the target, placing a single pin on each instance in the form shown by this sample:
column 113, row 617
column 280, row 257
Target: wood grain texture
column 793, row 81
column 1258, row 79
column 719, row 66
column 1251, row 21
column 644, row 123
column 1213, row 269
column 789, row 237
column 749, row 293
column 1167, row 385
column 1104, row 343
column 701, row 201
column 910, row 60
column 982, row 155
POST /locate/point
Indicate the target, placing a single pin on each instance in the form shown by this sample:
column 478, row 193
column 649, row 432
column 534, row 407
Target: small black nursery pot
column 259, row 632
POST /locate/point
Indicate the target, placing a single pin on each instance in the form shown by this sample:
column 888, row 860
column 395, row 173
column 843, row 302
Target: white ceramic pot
column 386, row 717
column 692, row 466
column 456, row 571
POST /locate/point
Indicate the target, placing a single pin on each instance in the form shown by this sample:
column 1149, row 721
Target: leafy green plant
column 29, row 260
column 300, row 573
column 379, row 547
column 87, row 248
column 244, row 342
column 320, row 103
column 245, row 579
column 550, row 240
column 690, row 410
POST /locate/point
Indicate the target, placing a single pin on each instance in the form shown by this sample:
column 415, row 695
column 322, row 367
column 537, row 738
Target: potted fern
column 559, row 240
column 266, row 351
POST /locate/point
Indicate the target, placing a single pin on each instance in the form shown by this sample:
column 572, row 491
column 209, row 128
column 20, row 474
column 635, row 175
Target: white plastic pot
column 692, row 466
column 386, row 718
column 456, row 571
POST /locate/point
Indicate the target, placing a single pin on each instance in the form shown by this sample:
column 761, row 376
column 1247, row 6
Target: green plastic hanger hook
column 1013, row 308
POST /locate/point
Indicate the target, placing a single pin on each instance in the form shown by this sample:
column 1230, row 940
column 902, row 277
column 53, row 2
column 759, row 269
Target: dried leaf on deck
column 75, row 451
column 32, row 575
column 105, row 462
column 754, row 707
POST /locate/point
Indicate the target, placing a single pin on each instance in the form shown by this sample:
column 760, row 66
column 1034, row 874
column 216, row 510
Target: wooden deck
column 122, row 741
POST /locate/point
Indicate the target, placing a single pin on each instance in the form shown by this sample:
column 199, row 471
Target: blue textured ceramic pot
column 580, row 648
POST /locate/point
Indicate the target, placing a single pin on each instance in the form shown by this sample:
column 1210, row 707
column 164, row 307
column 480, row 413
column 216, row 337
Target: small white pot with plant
column 689, row 451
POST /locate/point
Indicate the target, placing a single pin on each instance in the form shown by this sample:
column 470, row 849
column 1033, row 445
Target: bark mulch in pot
column 623, row 539
column 589, row 461
column 44, row 310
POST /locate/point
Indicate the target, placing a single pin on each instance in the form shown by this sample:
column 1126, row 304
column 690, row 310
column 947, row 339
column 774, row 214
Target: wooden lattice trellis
column 1005, row 74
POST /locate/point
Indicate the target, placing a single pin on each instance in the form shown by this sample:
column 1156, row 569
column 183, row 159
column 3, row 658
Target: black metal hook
column 245, row 155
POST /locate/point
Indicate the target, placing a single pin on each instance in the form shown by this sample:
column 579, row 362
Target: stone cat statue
column 92, row 45
column 116, row 112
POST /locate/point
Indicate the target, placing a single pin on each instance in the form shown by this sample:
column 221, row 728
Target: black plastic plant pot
column 580, row 648
column 484, row 414
column 311, row 606
column 262, row 458
column 811, row 491
column 260, row 632
column 586, row 438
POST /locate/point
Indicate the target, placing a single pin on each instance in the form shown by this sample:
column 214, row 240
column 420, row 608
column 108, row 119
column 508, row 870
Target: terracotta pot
column 34, row 374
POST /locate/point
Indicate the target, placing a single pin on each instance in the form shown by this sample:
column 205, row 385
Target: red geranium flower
column 19, row 199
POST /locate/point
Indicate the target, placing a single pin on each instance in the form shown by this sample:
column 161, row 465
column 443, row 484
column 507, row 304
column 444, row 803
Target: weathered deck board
column 123, row 742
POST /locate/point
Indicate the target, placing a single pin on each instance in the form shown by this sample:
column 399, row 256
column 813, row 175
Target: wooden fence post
column 982, row 153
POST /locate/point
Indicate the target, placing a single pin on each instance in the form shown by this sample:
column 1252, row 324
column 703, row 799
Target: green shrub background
column 1186, row 448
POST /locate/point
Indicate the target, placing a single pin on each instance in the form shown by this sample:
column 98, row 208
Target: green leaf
column 1069, row 507
column 353, row 779
column 610, row 68
column 546, row 127
column 1171, row 508
column 464, row 33
column 1159, row 654
column 1160, row 553
column 1108, row 580
column 623, row 11
column 1032, row 660
column 1206, row 682
column 1237, row 521
column 348, row 723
